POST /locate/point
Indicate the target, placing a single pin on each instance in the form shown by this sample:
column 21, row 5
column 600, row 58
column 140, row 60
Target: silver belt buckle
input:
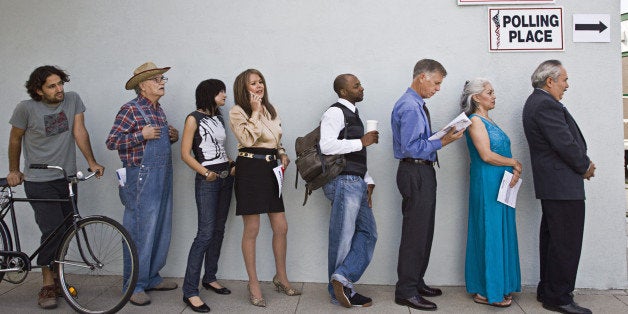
column 268, row 158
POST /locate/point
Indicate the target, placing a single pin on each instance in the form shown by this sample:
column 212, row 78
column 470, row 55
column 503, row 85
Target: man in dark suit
column 559, row 166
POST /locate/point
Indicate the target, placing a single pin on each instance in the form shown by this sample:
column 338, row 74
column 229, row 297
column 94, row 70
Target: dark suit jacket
column 557, row 148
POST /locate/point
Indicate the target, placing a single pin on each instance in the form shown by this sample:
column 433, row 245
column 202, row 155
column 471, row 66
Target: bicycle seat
column 3, row 182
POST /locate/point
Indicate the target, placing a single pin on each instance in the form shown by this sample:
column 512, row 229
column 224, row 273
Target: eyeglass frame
column 158, row 79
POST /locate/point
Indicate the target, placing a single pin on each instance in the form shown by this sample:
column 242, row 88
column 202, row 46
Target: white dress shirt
column 332, row 122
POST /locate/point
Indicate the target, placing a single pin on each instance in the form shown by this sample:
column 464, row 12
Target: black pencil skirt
column 256, row 187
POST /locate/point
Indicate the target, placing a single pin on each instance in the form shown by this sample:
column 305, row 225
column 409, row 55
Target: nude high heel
column 281, row 288
column 255, row 301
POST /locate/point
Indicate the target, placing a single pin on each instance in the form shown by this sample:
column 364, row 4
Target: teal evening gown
column 492, row 259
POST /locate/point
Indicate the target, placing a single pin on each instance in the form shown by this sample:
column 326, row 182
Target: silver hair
column 471, row 87
column 549, row 68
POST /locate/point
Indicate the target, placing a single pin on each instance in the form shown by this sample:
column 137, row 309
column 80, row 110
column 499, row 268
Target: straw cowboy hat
column 144, row 72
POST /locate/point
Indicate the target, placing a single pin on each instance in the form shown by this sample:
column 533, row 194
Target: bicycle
column 96, row 262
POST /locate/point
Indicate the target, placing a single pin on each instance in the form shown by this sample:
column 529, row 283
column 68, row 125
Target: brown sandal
column 477, row 298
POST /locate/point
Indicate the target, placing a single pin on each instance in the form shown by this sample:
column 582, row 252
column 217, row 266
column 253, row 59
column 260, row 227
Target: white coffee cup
column 371, row 125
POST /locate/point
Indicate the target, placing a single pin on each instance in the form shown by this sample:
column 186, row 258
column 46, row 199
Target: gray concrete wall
column 300, row 46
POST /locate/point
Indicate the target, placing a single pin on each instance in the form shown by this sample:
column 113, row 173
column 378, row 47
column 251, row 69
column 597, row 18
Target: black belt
column 258, row 156
column 418, row 161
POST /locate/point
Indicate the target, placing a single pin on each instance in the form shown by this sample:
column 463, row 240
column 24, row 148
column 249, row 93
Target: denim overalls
column 147, row 198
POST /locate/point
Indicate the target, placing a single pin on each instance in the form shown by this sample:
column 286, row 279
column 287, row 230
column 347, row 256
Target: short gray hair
column 471, row 87
column 549, row 68
column 428, row 66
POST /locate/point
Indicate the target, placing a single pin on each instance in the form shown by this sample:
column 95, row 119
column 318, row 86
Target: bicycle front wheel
column 97, row 265
column 5, row 245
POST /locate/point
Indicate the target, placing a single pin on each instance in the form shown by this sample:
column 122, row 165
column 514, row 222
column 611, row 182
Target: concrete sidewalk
column 23, row 299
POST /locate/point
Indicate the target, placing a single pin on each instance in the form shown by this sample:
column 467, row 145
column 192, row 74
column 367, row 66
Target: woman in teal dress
column 492, row 259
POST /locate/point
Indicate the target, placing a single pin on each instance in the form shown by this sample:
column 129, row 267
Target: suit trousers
column 417, row 185
column 560, row 243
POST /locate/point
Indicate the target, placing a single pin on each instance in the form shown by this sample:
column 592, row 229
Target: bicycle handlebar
column 38, row 166
column 79, row 175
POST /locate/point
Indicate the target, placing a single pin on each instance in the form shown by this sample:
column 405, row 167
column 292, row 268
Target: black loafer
column 200, row 309
column 540, row 298
column 417, row 302
column 222, row 290
column 571, row 308
column 429, row 292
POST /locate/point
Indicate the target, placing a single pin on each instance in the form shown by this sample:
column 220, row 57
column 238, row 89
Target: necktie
column 429, row 121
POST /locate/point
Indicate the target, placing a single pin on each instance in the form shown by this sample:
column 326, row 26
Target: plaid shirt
column 126, row 133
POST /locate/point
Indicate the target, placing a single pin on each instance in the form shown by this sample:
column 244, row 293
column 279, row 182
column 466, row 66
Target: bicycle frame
column 74, row 217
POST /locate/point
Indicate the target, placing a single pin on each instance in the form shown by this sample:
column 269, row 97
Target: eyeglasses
column 159, row 79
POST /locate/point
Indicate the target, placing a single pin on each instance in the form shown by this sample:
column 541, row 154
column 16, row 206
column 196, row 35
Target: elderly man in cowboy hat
column 142, row 137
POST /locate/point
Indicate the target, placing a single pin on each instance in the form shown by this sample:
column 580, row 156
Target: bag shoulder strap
column 344, row 116
column 308, row 191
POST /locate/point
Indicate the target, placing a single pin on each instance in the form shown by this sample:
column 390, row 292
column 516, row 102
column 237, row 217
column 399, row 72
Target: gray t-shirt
column 48, row 138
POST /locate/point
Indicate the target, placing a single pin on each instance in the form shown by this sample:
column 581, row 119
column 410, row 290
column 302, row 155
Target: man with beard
column 48, row 128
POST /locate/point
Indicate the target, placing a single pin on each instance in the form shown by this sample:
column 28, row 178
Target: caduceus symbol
column 497, row 26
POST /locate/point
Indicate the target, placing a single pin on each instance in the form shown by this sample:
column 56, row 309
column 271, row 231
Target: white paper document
column 121, row 173
column 460, row 122
column 507, row 194
column 279, row 175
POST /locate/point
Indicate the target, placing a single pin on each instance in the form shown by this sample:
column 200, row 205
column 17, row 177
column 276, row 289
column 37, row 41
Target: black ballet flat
column 222, row 290
column 200, row 309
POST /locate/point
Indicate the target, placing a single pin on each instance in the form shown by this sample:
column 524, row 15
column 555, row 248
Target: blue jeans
column 212, row 203
column 352, row 230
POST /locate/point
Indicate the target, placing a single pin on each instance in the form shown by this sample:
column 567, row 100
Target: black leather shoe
column 200, row 309
column 360, row 300
column 540, row 298
column 429, row 292
column 222, row 290
column 417, row 302
column 571, row 308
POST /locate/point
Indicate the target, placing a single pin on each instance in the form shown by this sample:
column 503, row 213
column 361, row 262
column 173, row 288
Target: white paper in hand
column 508, row 195
column 279, row 175
column 460, row 122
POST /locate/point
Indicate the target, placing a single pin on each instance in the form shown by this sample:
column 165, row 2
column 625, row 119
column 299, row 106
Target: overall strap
column 142, row 112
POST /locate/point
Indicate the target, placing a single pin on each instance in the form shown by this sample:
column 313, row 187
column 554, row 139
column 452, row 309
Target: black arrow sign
column 591, row 27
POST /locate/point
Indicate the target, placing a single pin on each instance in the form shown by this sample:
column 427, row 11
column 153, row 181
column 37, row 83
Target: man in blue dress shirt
column 416, row 180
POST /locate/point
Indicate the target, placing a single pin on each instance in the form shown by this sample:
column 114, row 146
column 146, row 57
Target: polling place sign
column 480, row 2
column 526, row 29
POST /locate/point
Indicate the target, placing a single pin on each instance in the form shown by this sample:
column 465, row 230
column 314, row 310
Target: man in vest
column 352, row 230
